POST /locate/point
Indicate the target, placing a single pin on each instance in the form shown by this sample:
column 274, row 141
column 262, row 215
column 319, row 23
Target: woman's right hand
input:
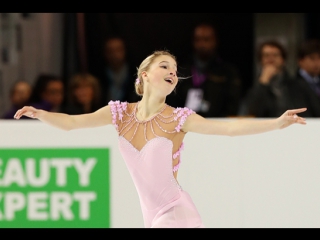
column 27, row 111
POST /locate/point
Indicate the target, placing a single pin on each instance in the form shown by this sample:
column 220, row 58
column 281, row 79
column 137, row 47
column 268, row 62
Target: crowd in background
column 209, row 85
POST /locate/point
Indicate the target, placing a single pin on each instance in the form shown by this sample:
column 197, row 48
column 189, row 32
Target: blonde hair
column 84, row 78
column 145, row 65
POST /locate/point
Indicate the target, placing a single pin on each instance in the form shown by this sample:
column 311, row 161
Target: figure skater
column 150, row 135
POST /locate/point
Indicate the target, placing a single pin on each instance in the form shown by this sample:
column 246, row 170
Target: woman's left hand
column 290, row 117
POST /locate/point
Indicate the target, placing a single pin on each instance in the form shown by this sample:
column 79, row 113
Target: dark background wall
column 48, row 42
column 312, row 25
column 146, row 32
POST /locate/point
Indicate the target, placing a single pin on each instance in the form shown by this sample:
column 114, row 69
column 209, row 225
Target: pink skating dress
column 151, row 150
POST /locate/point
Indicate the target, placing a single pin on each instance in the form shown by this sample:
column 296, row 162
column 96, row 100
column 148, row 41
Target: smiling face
column 161, row 77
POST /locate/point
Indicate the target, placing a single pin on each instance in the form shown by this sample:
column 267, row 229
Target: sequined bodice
column 151, row 150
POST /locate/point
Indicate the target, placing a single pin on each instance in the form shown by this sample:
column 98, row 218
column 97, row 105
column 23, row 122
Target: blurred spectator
column 20, row 93
column 118, row 73
column 276, row 90
column 214, row 86
column 48, row 93
column 309, row 64
column 83, row 94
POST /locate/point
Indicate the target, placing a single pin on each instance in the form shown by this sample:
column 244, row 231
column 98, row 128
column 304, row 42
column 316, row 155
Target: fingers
column 26, row 111
column 296, row 119
column 17, row 115
column 298, row 110
column 292, row 114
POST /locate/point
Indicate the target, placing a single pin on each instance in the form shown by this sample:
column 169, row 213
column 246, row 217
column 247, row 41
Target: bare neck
column 148, row 106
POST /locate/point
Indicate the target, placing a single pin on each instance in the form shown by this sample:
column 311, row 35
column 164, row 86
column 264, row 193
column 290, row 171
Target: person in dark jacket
column 210, row 85
column 117, row 72
column 275, row 89
column 309, row 64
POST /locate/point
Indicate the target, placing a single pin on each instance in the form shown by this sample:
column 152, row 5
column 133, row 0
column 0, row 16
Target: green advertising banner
column 54, row 188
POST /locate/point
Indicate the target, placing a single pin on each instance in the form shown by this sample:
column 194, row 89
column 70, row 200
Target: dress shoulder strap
column 117, row 110
column 181, row 115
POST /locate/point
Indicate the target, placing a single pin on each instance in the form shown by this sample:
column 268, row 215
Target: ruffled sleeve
column 181, row 115
column 117, row 110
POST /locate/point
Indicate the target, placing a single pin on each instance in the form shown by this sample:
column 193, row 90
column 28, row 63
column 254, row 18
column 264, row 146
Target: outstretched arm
column 68, row 122
column 196, row 123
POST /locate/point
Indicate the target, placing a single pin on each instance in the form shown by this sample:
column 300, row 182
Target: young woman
column 151, row 137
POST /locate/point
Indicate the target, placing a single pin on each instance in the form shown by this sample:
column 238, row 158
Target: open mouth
column 169, row 80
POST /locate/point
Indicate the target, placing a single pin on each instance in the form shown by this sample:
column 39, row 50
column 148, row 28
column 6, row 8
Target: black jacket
column 301, row 78
column 261, row 100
